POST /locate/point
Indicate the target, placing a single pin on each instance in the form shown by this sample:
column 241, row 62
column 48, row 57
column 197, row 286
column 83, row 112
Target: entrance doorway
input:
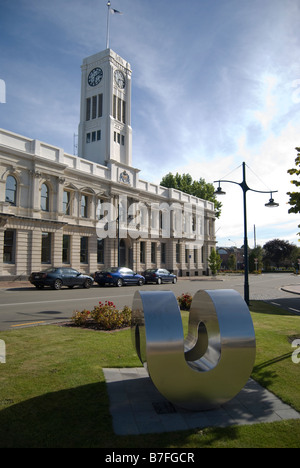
column 126, row 253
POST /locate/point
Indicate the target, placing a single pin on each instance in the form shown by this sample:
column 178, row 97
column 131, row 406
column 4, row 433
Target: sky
column 215, row 83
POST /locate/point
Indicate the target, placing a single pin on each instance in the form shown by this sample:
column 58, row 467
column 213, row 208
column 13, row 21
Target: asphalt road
column 27, row 306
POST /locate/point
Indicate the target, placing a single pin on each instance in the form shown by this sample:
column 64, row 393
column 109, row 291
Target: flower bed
column 185, row 301
column 104, row 316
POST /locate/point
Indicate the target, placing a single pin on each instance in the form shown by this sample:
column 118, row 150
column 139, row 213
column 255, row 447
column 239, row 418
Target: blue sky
column 215, row 83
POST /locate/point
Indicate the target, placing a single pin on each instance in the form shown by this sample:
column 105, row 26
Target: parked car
column 118, row 277
column 159, row 275
column 58, row 277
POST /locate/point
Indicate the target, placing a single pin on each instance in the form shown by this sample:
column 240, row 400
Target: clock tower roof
column 103, row 55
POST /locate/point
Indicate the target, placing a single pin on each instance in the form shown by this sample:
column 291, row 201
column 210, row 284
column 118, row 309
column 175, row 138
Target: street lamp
column 270, row 204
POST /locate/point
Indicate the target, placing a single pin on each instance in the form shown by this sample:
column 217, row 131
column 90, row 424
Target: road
column 27, row 306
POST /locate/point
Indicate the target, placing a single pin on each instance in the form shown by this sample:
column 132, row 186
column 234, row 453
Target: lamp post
column 270, row 204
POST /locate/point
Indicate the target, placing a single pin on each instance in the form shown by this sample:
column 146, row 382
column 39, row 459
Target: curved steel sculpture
column 212, row 364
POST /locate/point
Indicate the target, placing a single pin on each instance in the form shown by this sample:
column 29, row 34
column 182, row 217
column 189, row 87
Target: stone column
column 1, row 246
column 93, row 253
column 57, row 245
column 75, row 251
column 35, row 249
column 22, row 252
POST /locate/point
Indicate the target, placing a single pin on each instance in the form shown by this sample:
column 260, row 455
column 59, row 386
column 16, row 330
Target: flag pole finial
column 113, row 11
column 107, row 25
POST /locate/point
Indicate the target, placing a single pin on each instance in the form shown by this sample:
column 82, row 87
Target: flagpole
column 107, row 26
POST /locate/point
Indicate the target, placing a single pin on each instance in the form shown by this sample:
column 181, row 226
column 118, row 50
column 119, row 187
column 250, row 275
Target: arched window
column 11, row 190
column 45, row 198
column 84, row 206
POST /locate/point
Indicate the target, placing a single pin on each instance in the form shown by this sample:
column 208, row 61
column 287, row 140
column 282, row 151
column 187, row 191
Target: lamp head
column 271, row 203
column 219, row 191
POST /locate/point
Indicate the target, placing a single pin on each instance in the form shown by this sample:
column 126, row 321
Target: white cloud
column 214, row 84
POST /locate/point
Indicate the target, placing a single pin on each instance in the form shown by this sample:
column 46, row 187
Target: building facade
column 93, row 210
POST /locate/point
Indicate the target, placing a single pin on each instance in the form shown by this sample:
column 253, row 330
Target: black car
column 118, row 277
column 159, row 275
column 58, row 277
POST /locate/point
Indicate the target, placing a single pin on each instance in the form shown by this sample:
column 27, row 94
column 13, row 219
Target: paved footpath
column 294, row 289
column 137, row 407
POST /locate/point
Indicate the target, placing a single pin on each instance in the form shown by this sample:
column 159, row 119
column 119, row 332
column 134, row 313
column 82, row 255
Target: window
column 187, row 255
column 66, row 202
column 84, row 252
column 94, row 136
column 44, row 198
column 94, row 107
column 88, row 108
column 124, row 112
column 46, row 247
column 143, row 252
column 117, row 138
column 66, row 248
column 100, row 251
column 84, row 206
column 119, row 109
column 195, row 255
column 177, row 253
column 9, row 246
column 100, row 105
column 11, row 190
column 153, row 252
column 194, row 223
column 115, row 107
column 163, row 252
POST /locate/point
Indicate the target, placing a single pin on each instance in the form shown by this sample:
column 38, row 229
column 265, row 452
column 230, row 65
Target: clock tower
column 104, row 133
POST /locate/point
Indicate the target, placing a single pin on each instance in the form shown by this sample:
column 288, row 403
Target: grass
column 53, row 393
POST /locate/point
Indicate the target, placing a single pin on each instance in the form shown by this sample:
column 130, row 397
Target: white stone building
column 93, row 210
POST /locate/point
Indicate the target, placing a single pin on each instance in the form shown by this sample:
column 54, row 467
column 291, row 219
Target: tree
column 256, row 254
column 232, row 262
column 199, row 188
column 295, row 256
column 278, row 251
column 294, row 200
column 214, row 261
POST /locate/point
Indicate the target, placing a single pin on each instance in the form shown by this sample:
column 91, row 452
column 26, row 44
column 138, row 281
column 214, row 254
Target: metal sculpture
column 212, row 364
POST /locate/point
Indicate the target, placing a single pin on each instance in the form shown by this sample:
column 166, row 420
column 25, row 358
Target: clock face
column 120, row 79
column 95, row 76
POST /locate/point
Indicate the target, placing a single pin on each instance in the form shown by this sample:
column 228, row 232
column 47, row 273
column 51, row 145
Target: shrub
column 184, row 301
column 80, row 318
column 104, row 316
column 109, row 318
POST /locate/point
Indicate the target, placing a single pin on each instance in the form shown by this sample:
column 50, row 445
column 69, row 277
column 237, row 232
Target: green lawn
column 53, row 393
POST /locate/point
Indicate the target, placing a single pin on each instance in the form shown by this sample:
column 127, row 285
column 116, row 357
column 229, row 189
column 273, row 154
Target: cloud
column 214, row 84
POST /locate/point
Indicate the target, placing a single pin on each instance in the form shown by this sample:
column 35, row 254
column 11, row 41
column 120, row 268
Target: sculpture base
column 137, row 407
